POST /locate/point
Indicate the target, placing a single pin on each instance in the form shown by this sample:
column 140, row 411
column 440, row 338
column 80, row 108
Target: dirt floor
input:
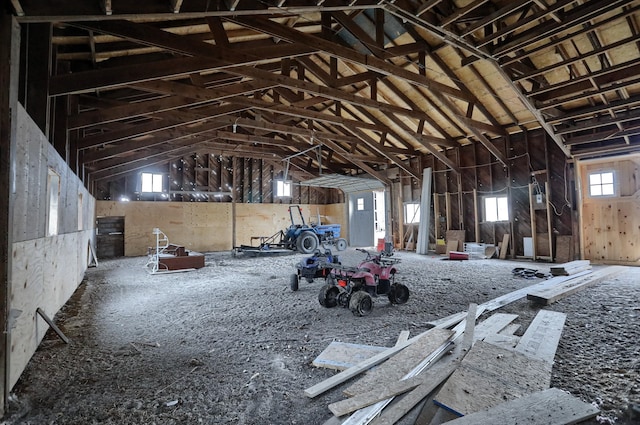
column 232, row 344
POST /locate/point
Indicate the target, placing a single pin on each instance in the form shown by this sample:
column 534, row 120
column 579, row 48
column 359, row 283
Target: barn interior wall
column 209, row 177
column 611, row 224
column 531, row 160
column 46, row 269
column 208, row 226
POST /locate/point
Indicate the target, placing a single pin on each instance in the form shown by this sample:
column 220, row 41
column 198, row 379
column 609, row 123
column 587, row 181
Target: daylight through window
column 601, row 184
column 151, row 182
column 412, row 213
column 496, row 208
column 283, row 188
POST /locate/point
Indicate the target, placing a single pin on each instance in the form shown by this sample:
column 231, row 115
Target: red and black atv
column 355, row 287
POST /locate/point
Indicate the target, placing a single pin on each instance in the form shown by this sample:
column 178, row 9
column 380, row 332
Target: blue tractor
column 306, row 238
column 300, row 236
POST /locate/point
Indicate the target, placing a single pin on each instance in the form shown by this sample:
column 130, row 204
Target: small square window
column 601, row 184
column 412, row 213
column 283, row 188
column 360, row 204
column 151, row 183
column 496, row 208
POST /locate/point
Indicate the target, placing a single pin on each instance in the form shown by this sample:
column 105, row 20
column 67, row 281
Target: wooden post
column 9, row 63
column 234, row 196
column 547, row 190
column 436, row 215
column 532, row 211
column 400, row 208
column 447, row 207
column 475, row 215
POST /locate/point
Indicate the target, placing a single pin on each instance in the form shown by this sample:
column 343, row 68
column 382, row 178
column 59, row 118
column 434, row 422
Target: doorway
column 367, row 218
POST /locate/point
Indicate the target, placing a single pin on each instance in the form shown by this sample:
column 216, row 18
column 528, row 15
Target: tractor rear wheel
column 328, row 296
column 398, row 294
column 341, row 244
column 360, row 303
column 307, row 242
column 293, row 283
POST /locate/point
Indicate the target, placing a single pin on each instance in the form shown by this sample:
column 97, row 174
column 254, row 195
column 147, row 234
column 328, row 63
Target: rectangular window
column 53, row 197
column 601, row 184
column 80, row 224
column 151, row 183
column 496, row 208
column 360, row 204
column 412, row 213
column 283, row 188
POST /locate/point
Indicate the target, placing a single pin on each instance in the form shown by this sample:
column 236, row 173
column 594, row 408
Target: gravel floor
column 232, row 344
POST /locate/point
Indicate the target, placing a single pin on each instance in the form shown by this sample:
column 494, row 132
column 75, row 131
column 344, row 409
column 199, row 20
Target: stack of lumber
column 572, row 267
column 548, row 295
column 487, row 372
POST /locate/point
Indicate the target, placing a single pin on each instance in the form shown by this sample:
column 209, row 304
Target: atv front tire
column 328, row 296
column 360, row 303
column 398, row 294
column 293, row 282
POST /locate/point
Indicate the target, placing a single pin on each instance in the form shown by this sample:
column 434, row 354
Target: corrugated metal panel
column 348, row 184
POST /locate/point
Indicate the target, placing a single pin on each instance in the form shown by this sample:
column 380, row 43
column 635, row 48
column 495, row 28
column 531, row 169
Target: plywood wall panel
column 611, row 225
column 45, row 273
column 206, row 226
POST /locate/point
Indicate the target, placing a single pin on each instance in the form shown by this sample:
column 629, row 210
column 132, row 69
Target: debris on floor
column 468, row 371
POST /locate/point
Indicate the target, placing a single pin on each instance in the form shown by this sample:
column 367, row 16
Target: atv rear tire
column 307, row 242
column 341, row 244
column 293, row 282
column 360, row 303
column 328, row 296
column 398, row 294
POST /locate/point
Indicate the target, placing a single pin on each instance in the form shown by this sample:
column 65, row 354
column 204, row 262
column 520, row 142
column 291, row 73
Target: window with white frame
column 496, row 208
column 151, row 183
column 412, row 212
column 360, row 204
column 283, row 188
column 80, row 208
column 602, row 184
column 53, row 200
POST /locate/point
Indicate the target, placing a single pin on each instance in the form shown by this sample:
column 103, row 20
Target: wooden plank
column 409, row 401
column 403, row 337
column 553, row 294
column 570, row 268
column 504, row 341
column 343, row 355
column 564, row 251
column 377, row 394
column 505, row 299
column 452, row 245
column 57, row 330
column 548, row 407
column 505, row 246
column 456, row 235
column 345, row 375
column 488, row 376
column 400, row 364
column 541, row 338
column 493, row 325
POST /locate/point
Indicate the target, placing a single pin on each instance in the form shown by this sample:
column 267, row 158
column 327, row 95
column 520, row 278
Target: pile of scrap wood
column 470, row 374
